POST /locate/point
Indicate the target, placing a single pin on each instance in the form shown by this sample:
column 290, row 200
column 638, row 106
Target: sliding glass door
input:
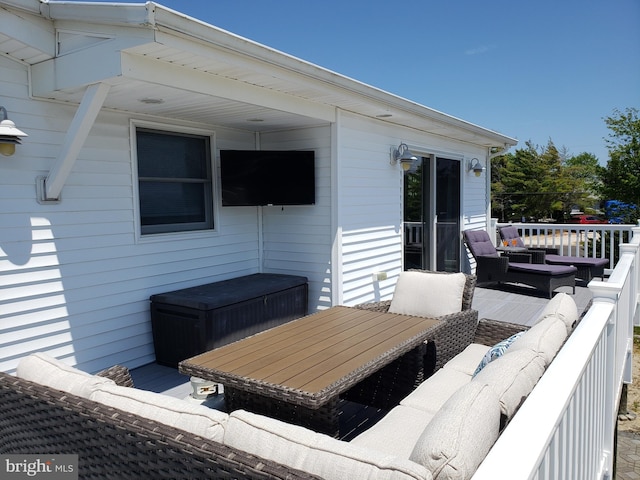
column 432, row 215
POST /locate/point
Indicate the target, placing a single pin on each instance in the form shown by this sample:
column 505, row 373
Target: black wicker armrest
column 118, row 374
column 489, row 332
column 537, row 255
column 375, row 306
column 518, row 257
column 547, row 250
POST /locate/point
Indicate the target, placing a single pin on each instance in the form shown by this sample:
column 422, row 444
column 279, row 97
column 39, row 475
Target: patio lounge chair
column 587, row 267
column 492, row 267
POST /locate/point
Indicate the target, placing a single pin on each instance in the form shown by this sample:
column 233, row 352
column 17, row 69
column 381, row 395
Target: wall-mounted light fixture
column 402, row 155
column 476, row 167
column 9, row 135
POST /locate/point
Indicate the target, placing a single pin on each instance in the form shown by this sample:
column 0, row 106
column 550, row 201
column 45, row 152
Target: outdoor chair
column 382, row 389
column 492, row 267
column 587, row 267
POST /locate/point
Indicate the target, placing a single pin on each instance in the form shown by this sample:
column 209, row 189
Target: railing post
column 604, row 292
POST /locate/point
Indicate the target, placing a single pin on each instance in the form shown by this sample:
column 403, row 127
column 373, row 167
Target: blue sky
column 534, row 71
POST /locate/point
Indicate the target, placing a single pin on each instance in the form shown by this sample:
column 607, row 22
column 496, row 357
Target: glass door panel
column 432, row 215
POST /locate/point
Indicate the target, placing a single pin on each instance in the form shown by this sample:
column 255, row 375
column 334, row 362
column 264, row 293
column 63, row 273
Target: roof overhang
column 160, row 62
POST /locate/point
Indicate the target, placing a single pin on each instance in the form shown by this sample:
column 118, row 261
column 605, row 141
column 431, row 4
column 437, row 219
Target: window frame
column 210, row 202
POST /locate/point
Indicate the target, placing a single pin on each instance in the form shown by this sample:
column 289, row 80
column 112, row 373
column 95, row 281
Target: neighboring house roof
column 160, row 62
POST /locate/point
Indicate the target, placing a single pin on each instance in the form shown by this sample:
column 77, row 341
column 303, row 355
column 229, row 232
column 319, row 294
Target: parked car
column 586, row 219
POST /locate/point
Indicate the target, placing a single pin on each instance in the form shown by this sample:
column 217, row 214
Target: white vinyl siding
column 370, row 199
column 74, row 281
column 297, row 239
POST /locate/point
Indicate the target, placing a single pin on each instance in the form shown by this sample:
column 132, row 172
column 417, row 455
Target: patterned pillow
column 496, row 351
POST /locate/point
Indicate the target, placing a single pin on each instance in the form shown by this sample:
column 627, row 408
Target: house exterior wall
column 76, row 277
column 370, row 201
column 297, row 240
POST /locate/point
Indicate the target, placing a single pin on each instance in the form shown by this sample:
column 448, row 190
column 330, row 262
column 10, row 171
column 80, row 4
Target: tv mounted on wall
column 267, row 177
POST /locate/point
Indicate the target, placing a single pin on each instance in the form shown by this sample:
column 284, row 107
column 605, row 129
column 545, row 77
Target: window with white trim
column 174, row 181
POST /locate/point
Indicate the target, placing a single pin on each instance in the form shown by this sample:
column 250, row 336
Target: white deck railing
column 571, row 239
column 565, row 429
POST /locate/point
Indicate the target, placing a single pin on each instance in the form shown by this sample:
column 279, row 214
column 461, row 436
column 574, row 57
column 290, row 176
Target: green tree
column 581, row 181
column 621, row 177
column 542, row 183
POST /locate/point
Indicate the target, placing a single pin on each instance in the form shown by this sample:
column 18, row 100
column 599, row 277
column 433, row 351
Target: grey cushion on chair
column 480, row 243
column 511, row 235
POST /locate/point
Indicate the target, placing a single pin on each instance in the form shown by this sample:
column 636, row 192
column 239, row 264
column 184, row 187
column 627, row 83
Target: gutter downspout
column 49, row 188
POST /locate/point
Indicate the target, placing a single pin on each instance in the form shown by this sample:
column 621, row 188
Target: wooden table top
column 317, row 357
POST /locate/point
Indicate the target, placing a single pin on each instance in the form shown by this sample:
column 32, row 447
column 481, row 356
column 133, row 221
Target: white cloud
column 479, row 50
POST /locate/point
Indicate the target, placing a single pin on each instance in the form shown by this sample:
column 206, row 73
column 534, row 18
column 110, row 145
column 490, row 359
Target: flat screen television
column 267, row 177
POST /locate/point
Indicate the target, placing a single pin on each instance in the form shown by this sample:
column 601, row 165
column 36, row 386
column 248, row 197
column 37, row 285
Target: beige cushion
column 545, row 337
column 436, row 390
column 397, row 433
column 428, row 294
column 512, row 377
column 467, row 361
column 564, row 308
column 197, row 419
column 46, row 370
column 460, row 435
column 312, row 452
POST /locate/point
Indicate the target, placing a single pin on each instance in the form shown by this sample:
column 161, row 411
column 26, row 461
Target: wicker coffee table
column 297, row 371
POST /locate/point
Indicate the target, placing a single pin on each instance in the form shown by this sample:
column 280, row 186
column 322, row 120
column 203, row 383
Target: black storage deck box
column 194, row 320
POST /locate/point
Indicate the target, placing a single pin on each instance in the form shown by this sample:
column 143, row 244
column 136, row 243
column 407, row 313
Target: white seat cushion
column 512, row 377
column 428, row 294
column 467, row 361
column 564, row 308
column 545, row 337
column 397, row 433
column 48, row 371
column 436, row 390
column 460, row 435
column 197, row 419
column 312, row 452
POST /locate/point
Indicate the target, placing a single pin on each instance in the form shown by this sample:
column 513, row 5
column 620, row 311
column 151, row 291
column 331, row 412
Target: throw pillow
column 496, row 351
column 425, row 294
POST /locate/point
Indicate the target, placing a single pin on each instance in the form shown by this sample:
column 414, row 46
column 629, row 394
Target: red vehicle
column 586, row 219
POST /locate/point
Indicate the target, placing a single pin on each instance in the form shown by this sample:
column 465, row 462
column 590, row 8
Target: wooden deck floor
column 510, row 304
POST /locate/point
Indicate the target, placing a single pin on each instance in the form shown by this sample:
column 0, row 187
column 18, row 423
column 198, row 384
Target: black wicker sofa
column 111, row 443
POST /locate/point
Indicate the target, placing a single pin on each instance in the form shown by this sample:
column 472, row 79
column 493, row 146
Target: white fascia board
column 111, row 13
column 89, row 65
column 31, row 30
column 162, row 73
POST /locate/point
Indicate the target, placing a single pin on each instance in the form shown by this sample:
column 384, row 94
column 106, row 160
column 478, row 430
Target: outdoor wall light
column 9, row 135
column 403, row 155
column 476, row 167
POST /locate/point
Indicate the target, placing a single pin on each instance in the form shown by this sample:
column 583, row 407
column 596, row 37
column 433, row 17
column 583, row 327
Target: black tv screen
column 267, row 177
